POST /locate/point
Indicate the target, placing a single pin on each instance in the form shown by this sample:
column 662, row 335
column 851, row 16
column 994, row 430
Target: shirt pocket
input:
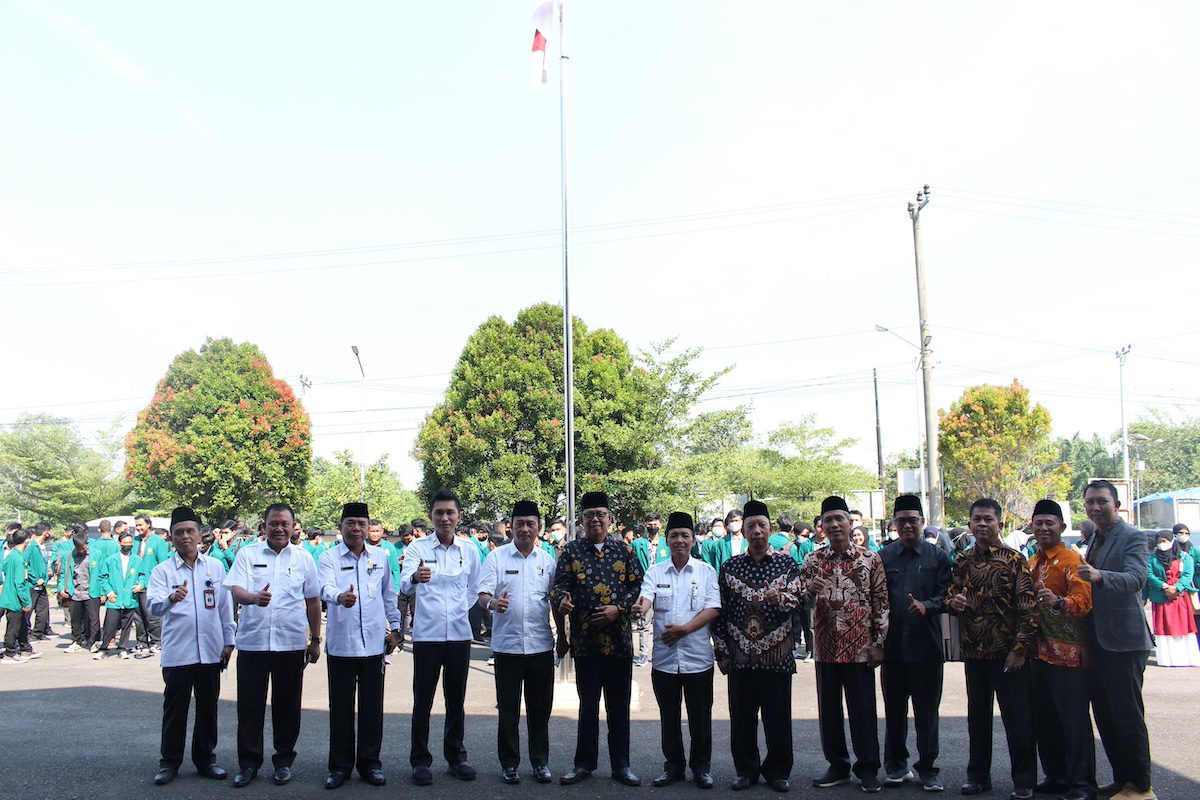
column 664, row 599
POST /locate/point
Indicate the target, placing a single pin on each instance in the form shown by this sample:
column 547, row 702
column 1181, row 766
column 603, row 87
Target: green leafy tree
column 222, row 434
column 47, row 471
column 334, row 483
column 498, row 433
column 995, row 443
column 1171, row 451
column 1087, row 458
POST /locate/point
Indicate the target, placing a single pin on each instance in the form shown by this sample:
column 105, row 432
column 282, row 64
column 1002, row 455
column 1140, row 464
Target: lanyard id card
column 210, row 598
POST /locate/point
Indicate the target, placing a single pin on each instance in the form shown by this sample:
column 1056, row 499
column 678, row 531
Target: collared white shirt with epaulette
column 291, row 577
column 525, row 627
column 678, row 596
column 197, row 628
column 362, row 629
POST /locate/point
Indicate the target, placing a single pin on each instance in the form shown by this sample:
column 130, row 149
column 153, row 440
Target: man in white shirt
column 361, row 603
column 443, row 572
column 516, row 587
column 197, row 640
column 279, row 633
column 685, row 597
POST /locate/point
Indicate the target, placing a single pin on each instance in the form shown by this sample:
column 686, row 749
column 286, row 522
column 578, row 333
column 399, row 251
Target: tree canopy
column 222, row 434
column 334, row 483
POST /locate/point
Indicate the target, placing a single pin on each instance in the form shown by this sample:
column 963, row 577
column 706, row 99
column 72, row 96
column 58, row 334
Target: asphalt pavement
column 74, row 728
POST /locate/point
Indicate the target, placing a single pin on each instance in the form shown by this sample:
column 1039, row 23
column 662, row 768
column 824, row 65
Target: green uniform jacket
column 802, row 548
column 393, row 557
column 717, row 551
column 153, row 553
column 314, row 550
column 121, row 583
column 641, row 549
column 1157, row 577
column 96, row 556
column 60, row 547
column 15, row 594
column 35, row 565
column 779, row 541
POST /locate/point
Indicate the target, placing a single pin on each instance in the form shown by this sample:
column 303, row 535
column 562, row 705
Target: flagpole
column 568, row 328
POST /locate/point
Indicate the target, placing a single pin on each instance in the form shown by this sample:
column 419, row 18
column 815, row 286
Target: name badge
column 260, row 566
column 663, row 586
column 210, row 599
column 347, row 569
column 512, row 572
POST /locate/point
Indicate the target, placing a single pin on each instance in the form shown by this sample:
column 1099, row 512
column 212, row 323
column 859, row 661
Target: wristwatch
column 1060, row 604
column 314, row 639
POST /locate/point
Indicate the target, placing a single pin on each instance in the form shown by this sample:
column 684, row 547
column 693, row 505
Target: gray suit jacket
column 1117, row 612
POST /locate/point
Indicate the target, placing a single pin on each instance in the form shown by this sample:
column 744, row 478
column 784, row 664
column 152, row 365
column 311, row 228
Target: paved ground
column 90, row 730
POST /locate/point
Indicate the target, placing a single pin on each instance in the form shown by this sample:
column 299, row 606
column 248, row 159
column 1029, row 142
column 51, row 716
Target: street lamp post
column 920, row 420
column 362, row 426
column 934, row 480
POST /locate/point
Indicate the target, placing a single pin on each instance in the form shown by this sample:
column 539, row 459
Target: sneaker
column 1131, row 793
column 95, row 646
column 491, row 662
column 125, row 654
column 73, row 647
column 144, row 654
column 898, row 777
column 13, row 659
column 29, row 655
column 870, row 783
column 931, row 783
column 830, row 778
column 98, row 655
column 387, row 658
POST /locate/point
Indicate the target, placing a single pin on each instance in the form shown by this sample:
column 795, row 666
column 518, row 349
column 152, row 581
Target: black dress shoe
column 244, row 778
column 576, row 775
column 703, row 780
column 971, row 787
column 422, row 776
column 164, row 776
column 335, row 780
column 780, row 785
column 627, row 777
column 213, row 771
column 666, row 779
column 743, row 782
column 462, row 770
column 282, row 776
column 510, row 776
column 1050, row 786
column 374, row 777
column 541, row 774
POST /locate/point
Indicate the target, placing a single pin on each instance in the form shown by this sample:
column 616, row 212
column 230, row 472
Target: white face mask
column 556, row 535
column 1184, row 538
column 1164, row 546
column 718, row 531
column 735, row 526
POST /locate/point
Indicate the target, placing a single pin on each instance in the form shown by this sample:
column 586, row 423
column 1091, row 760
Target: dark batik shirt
column 1001, row 615
column 751, row 633
column 851, row 615
column 611, row 576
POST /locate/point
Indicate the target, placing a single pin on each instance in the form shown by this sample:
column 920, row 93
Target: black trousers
column 40, row 611
column 752, row 692
column 405, row 604
column 802, row 621
column 81, row 631
column 920, row 682
column 857, row 683
column 696, row 691
column 987, row 681
column 1062, row 726
column 349, row 676
column 148, row 626
column 180, row 684
column 14, row 621
column 117, row 620
column 1116, row 688
column 285, row 673
column 534, row 674
column 480, row 620
column 610, row 676
column 95, row 629
column 450, row 661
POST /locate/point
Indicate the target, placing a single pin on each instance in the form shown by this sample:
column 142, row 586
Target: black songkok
column 1048, row 507
column 525, row 508
column 908, row 502
column 679, row 519
column 834, row 503
column 184, row 514
column 358, row 510
column 593, row 500
column 755, row 508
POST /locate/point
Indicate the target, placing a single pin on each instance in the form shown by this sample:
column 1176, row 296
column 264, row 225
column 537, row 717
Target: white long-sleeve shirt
column 197, row 628
column 362, row 629
column 290, row 577
column 440, row 614
column 678, row 596
column 525, row 627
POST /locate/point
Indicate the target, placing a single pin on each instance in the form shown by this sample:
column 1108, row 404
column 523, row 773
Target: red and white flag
column 543, row 15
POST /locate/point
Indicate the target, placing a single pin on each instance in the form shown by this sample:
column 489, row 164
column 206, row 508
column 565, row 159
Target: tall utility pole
column 362, row 428
column 933, row 470
column 1122, row 354
column 878, row 431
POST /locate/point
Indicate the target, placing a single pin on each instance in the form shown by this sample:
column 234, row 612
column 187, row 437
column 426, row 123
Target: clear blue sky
column 310, row 176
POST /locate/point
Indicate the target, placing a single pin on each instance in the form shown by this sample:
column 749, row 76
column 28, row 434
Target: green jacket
column 96, row 557
column 716, row 551
column 1156, row 580
column 801, row 549
column 101, row 549
column 60, row 547
column 393, row 557
column 15, row 594
column 314, row 550
column 153, row 553
column 641, row 549
column 35, row 565
column 113, row 580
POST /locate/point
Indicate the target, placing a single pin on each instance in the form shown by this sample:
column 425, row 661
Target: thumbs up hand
column 264, row 596
column 915, row 607
column 424, row 573
column 348, row 598
column 180, row 592
column 501, row 603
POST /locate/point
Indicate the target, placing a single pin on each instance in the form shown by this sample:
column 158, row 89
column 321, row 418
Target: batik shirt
column 610, row 576
column 751, row 633
column 1001, row 615
column 850, row 616
column 1062, row 639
